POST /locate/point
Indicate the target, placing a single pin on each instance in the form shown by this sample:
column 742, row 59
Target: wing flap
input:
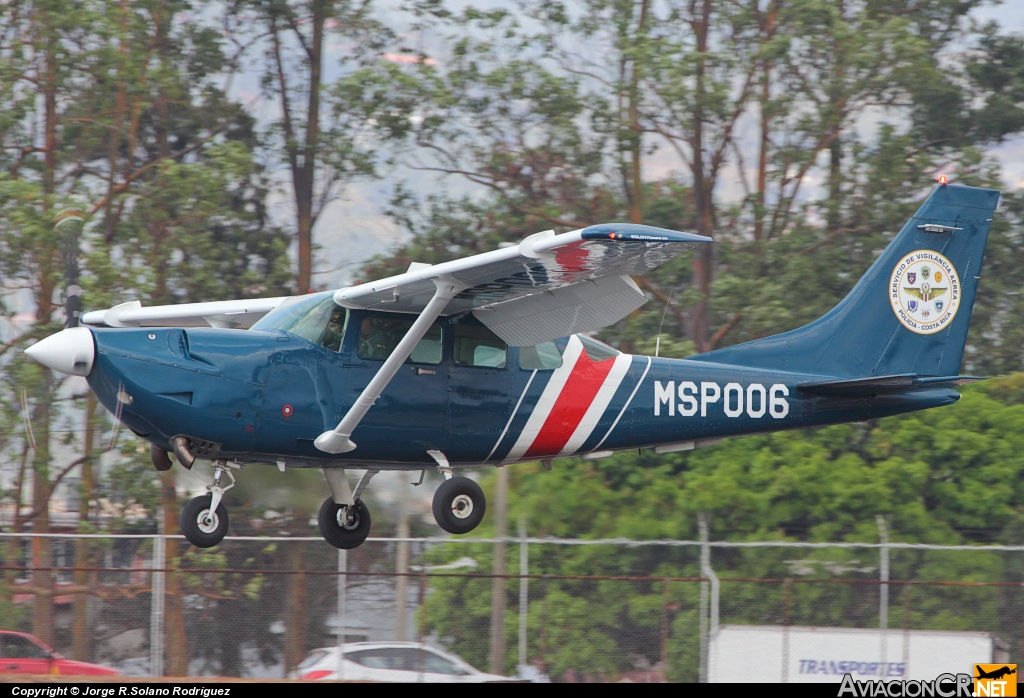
column 566, row 310
column 883, row 385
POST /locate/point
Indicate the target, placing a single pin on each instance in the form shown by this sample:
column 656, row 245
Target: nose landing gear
column 203, row 524
column 204, row 520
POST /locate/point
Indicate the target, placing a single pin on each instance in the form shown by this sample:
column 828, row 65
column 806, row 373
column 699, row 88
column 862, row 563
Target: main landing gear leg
column 344, row 520
column 459, row 503
column 204, row 520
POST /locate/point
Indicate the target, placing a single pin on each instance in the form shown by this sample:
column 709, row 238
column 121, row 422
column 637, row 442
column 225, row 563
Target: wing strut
column 338, row 439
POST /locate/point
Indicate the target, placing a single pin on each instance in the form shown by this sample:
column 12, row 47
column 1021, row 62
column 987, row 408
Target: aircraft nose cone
column 69, row 351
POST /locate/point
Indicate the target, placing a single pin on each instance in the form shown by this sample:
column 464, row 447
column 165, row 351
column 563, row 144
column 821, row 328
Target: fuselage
column 265, row 395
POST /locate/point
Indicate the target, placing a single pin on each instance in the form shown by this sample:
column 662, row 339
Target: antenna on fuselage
column 657, row 340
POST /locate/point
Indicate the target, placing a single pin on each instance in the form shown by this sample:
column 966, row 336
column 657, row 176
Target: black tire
column 459, row 505
column 343, row 529
column 202, row 530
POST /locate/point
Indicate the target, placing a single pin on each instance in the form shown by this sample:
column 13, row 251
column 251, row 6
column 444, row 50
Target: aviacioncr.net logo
column 943, row 686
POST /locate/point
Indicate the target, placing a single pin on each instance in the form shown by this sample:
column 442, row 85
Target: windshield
column 315, row 318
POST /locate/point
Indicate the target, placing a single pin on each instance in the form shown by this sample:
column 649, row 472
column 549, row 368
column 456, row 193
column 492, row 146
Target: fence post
column 342, row 608
column 402, row 564
column 883, row 593
column 524, row 569
column 156, row 608
column 498, row 580
column 705, row 563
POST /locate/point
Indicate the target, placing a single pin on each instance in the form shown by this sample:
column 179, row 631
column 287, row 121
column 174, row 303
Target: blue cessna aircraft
column 482, row 361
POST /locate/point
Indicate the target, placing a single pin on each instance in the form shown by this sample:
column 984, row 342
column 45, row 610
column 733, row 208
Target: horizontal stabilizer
column 883, row 385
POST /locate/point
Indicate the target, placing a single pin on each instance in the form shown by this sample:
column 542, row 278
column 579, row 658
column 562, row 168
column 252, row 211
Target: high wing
column 545, row 287
column 226, row 314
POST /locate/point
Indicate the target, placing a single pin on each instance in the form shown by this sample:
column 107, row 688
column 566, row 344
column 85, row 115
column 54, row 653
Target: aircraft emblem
column 917, row 282
column 926, row 292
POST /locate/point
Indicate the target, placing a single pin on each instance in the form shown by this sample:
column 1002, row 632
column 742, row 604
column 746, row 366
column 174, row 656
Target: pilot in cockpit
column 335, row 329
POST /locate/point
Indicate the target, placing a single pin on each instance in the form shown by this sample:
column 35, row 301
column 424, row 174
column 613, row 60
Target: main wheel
column 202, row 527
column 344, row 526
column 459, row 505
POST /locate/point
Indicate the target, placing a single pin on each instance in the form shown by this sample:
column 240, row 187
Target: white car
column 404, row 662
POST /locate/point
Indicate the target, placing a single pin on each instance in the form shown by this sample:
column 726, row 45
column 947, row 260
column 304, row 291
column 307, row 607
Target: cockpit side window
column 380, row 333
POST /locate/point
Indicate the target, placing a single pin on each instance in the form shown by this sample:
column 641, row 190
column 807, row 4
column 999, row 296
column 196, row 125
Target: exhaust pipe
column 181, row 445
column 160, row 457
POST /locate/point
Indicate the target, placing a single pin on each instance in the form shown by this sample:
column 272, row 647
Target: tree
column 327, row 111
column 116, row 113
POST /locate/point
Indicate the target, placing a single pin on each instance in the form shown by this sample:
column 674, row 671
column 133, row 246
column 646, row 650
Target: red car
column 21, row 653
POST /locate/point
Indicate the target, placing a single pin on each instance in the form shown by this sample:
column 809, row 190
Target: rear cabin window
column 540, row 357
column 477, row 346
column 597, row 351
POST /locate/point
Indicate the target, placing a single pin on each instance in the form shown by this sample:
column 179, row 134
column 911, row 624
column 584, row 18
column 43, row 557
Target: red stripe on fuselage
column 586, row 379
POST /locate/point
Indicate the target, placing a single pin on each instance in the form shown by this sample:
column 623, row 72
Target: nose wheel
column 203, row 525
column 204, row 520
column 459, row 505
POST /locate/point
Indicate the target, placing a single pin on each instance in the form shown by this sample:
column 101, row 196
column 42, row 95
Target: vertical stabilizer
column 911, row 310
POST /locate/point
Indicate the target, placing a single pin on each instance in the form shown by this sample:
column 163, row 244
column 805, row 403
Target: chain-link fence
column 563, row 610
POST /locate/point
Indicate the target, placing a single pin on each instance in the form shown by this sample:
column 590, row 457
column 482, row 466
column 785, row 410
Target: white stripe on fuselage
column 599, row 405
column 552, row 390
column 515, row 411
column 625, row 406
